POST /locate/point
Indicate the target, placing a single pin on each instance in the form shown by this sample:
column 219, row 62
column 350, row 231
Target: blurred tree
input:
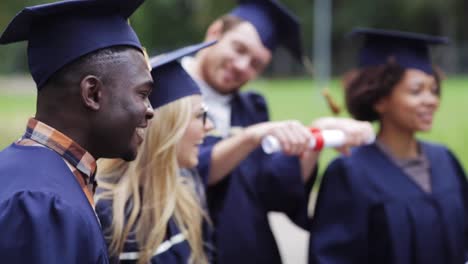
column 167, row 24
column 436, row 17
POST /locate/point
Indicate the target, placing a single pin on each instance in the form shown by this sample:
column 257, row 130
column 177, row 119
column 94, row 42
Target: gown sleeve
column 204, row 158
column 338, row 231
column 280, row 185
column 37, row 227
column 464, row 189
column 281, row 188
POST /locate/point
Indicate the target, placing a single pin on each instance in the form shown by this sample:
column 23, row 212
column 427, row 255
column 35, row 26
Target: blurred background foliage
column 166, row 24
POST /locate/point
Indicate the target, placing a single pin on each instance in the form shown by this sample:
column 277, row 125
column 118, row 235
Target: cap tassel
column 332, row 104
column 147, row 59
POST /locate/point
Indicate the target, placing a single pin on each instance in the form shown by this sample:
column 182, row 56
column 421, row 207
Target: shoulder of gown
column 38, row 227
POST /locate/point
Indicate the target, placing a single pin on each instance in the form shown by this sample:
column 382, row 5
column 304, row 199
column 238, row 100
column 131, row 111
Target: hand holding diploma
column 340, row 133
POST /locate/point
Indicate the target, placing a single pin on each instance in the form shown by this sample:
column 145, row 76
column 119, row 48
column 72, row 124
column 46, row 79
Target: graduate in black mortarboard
column 244, row 183
column 93, row 83
column 401, row 200
column 153, row 214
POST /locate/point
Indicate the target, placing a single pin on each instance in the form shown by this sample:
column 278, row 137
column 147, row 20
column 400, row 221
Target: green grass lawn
column 17, row 104
column 300, row 99
column 288, row 99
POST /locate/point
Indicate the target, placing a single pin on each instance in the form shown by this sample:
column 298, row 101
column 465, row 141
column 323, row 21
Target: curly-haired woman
column 401, row 199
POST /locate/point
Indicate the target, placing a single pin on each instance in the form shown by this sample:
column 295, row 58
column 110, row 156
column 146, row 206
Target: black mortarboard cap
column 275, row 24
column 409, row 50
column 61, row 32
column 171, row 81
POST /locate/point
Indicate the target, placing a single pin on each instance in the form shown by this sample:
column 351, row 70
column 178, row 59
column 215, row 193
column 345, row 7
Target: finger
column 305, row 137
column 358, row 133
column 293, row 139
column 301, row 136
column 364, row 132
column 282, row 137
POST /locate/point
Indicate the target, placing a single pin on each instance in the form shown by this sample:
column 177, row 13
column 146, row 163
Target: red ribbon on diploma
column 319, row 142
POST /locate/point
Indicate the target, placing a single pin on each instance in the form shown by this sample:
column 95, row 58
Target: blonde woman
column 149, row 213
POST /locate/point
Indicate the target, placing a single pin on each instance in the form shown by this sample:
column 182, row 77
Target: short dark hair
column 369, row 85
column 96, row 63
column 229, row 22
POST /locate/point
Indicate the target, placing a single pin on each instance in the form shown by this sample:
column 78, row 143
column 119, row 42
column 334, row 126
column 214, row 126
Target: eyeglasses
column 204, row 115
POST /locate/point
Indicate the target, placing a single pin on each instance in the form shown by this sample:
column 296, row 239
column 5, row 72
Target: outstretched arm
column 293, row 137
column 228, row 153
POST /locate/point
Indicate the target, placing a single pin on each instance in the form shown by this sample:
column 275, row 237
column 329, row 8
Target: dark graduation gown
column 370, row 211
column 44, row 215
column 207, row 228
column 262, row 183
column 174, row 249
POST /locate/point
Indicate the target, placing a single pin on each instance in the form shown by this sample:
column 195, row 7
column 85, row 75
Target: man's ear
column 91, row 92
column 215, row 31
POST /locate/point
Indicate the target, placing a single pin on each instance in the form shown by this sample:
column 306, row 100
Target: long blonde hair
column 155, row 175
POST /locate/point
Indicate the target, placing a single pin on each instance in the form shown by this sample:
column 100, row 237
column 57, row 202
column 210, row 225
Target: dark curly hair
column 368, row 85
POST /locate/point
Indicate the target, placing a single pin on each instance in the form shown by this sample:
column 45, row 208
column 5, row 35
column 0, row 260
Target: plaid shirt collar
column 63, row 145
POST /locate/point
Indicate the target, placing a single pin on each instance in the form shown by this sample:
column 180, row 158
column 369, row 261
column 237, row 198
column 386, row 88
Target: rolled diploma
column 332, row 138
